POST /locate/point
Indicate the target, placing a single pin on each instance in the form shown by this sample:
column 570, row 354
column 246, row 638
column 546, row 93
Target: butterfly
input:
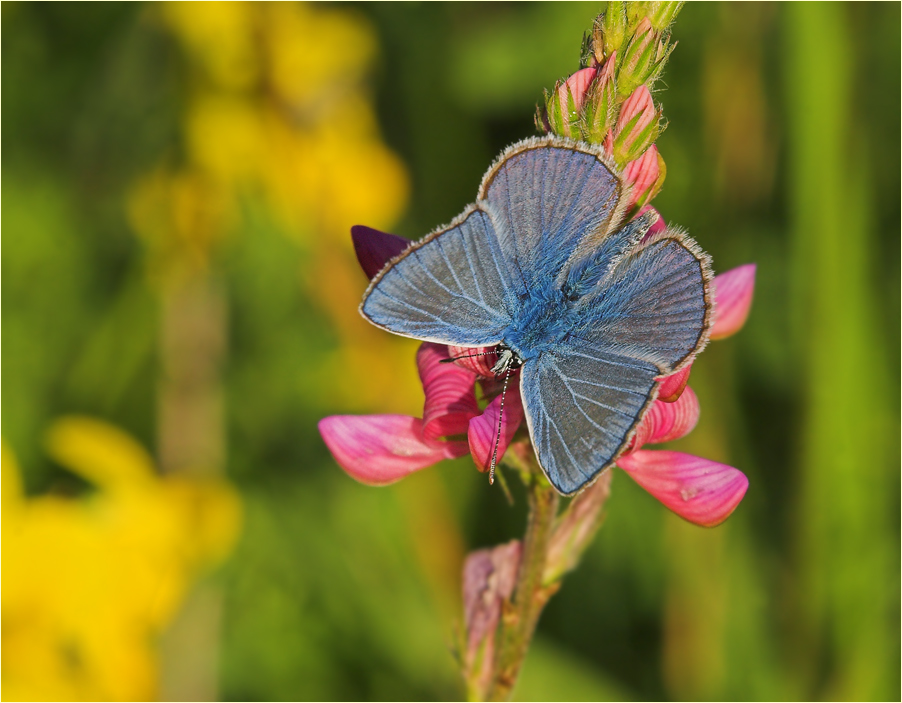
column 545, row 268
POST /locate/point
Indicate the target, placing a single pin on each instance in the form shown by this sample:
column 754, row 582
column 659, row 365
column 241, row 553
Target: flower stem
column 520, row 615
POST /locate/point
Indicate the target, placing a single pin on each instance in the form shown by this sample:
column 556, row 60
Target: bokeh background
column 179, row 308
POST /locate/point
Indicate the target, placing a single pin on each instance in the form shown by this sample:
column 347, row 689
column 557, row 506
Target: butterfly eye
column 570, row 292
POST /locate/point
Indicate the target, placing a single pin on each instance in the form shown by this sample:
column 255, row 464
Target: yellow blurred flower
column 89, row 582
column 277, row 107
column 277, row 111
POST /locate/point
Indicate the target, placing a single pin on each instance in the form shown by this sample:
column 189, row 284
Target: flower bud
column 577, row 85
column 644, row 174
column 662, row 14
column 637, row 126
column 575, row 528
column 643, row 59
column 553, row 116
column 560, row 107
column 600, row 103
column 637, row 57
column 635, row 11
column 489, row 578
column 611, row 31
column 563, row 109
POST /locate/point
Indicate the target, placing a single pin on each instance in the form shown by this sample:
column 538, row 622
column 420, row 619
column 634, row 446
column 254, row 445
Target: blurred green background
column 179, row 309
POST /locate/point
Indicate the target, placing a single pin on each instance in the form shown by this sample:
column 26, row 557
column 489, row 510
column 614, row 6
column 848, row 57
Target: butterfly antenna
column 467, row 356
column 507, row 376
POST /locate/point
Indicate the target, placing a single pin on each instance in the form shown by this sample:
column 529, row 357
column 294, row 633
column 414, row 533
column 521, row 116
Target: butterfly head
column 508, row 360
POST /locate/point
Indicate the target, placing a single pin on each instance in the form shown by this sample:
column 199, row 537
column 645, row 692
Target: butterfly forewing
column 451, row 288
column 545, row 200
column 581, row 408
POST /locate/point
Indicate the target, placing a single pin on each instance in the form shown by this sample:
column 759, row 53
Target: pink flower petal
column 733, row 291
column 484, row 429
column 672, row 386
column 696, row 489
column 665, row 422
column 381, row 449
column 479, row 360
column 374, row 248
column 450, row 395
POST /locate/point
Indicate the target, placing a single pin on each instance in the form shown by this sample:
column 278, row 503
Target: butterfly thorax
column 542, row 322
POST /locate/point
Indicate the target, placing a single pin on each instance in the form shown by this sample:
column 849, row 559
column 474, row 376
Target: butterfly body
column 542, row 321
column 543, row 264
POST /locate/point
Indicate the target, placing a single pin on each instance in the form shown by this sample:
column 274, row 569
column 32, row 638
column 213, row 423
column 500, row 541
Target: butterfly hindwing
column 581, row 408
column 654, row 305
column 648, row 314
column 452, row 287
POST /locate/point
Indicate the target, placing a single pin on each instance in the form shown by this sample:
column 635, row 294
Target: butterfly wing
column 655, row 304
column 549, row 198
column 581, row 407
column 647, row 316
column 451, row 287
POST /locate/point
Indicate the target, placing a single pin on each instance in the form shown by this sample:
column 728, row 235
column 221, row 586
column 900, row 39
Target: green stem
column 519, row 617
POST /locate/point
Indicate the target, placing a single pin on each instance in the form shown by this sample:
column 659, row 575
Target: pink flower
column 381, row 449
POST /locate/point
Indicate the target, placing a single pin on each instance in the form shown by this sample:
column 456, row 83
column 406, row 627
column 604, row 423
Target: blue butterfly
column 543, row 267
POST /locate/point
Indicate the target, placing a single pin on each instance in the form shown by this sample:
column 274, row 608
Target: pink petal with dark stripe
column 381, row 449
column 665, row 422
column 484, row 429
column 672, row 386
column 698, row 490
column 479, row 360
column 733, row 292
column 450, row 395
column 374, row 248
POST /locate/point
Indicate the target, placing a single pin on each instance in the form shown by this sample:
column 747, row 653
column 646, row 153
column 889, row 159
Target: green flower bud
column 613, row 28
column 662, row 14
column 598, row 113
